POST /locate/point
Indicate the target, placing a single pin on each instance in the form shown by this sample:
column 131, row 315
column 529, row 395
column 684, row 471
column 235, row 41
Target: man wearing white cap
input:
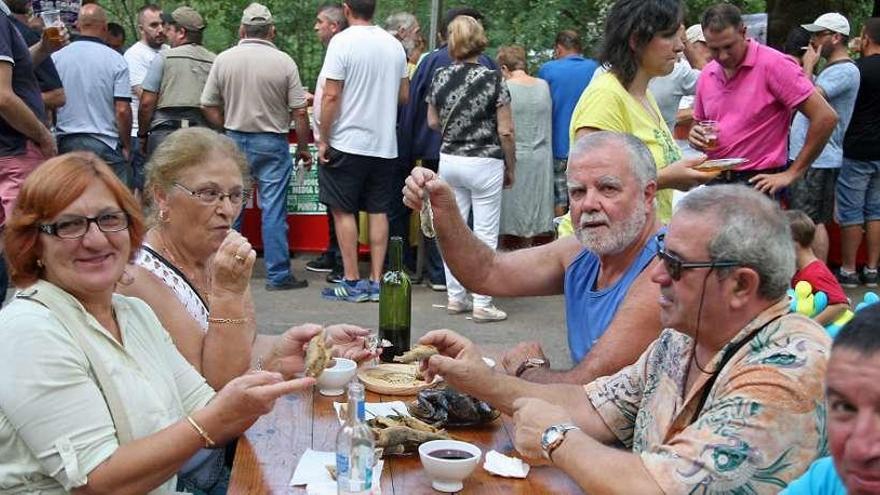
column 254, row 92
column 838, row 83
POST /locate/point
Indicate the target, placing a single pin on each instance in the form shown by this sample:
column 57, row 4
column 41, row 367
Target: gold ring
column 239, row 258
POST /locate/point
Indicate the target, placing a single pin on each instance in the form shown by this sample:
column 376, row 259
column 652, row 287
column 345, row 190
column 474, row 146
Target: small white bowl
column 447, row 474
column 333, row 380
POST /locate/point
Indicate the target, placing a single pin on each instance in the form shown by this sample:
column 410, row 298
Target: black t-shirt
column 14, row 51
column 862, row 140
column 47, row 75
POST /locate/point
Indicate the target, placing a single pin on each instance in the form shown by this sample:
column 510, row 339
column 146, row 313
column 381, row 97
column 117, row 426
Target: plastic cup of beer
column 710, row 132
column 53, row 24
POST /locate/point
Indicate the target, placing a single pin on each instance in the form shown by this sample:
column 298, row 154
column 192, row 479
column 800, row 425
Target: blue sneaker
column 374, row 291
column 348, row 291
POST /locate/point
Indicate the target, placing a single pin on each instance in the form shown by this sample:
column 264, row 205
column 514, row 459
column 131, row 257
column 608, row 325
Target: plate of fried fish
column 401, row 377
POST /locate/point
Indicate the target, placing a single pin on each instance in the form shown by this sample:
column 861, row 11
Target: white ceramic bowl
column 447, row 474
column 333, row 380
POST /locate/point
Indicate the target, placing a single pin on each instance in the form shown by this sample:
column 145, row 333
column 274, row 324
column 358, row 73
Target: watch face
column 549, row 436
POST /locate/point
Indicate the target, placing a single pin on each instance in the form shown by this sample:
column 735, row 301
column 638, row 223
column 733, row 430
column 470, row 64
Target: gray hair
column 641, row 162
column 752, row 230
column 334, row 13
column 400, row 20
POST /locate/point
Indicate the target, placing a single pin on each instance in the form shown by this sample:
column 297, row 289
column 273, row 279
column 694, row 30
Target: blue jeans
column 271, row 165
column 858, row 192
column 138, row 162
column 87, row 142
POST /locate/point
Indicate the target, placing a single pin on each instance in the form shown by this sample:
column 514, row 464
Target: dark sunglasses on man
column 675, row 265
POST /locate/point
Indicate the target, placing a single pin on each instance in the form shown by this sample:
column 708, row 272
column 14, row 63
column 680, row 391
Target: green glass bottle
column 395, row 303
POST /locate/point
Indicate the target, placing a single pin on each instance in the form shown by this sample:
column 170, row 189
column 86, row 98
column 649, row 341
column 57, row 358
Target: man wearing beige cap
column 173, row 86
column 254, row 92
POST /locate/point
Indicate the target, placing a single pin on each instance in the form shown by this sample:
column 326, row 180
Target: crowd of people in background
column 599, row 177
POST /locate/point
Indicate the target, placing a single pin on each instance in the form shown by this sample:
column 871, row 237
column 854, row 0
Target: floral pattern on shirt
column 467, row 97
column 763, row 421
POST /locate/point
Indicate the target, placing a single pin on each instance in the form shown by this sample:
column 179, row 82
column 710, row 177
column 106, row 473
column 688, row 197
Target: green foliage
column 530, row 23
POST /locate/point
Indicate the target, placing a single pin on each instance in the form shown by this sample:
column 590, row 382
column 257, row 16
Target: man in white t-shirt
column 329, row 21
column 365, row 80
column 139, row 56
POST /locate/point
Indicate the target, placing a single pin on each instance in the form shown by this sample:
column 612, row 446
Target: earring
column 126, row 278
column 163, row 215
column 39, row 263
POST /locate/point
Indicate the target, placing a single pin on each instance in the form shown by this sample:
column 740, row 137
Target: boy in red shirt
column 811, row 269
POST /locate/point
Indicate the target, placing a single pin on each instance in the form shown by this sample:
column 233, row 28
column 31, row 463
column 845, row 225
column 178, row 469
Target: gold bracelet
column 230, row 321
column 209, row 444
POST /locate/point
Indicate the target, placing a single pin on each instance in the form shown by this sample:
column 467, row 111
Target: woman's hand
column 238, row 405
column 683, row 176
column 288, row 351
column 509, row 177
column 232, row 265
column 349, row 341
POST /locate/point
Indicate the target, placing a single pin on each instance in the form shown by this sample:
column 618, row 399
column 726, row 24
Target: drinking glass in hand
column 710, row 132
column 52, row 22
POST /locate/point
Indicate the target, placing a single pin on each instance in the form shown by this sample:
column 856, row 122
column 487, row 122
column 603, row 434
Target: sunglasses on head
column 675, row 265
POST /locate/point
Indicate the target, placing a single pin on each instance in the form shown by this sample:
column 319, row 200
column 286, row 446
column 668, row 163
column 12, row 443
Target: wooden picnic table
column 270, row 450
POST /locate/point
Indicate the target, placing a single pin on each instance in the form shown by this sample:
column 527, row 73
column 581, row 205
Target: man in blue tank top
column 612, row 181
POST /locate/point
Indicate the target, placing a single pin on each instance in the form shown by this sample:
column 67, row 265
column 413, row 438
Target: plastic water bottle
column 354, row 447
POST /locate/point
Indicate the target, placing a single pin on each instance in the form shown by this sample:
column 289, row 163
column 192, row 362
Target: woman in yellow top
column 642, row 41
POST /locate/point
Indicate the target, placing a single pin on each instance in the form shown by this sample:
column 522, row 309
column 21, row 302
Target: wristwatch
column 529, row 363
column 553, row 437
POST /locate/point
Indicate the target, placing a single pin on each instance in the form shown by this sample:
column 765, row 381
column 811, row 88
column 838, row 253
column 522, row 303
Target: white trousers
column 477, row 183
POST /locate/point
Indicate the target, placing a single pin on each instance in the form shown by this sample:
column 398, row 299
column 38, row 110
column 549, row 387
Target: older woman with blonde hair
column 470, row 105
column 94, row 396
column 195, row 271
column 527, row 207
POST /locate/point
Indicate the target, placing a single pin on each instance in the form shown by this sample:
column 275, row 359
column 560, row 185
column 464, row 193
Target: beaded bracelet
column 209, row 444
column 230, row 321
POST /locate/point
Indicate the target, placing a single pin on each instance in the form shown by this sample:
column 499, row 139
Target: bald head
column 92, row 20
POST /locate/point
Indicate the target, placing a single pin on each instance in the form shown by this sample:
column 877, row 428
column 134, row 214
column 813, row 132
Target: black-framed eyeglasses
column 76, row 226
column 211, row 196
column 675, row 265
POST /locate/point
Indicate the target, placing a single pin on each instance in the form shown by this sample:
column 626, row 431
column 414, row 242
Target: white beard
column 621, row 235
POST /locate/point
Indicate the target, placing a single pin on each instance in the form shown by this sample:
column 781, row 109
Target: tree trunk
column 786, row 14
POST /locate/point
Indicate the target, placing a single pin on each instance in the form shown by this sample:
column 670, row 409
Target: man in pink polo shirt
column 752, row 91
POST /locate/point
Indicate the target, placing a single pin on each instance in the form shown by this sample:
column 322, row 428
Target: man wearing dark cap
column 173, row 86
column 254, row 92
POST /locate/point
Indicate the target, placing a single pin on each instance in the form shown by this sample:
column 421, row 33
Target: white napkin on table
column 312, row 471
column 373, row 409
column 502, row 465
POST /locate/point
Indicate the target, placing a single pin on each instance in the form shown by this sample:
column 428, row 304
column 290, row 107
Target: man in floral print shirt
column 729, row 398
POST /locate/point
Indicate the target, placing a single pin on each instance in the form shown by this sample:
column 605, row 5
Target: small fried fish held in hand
column 318, row 356
column 427, row 217
column 417, row 353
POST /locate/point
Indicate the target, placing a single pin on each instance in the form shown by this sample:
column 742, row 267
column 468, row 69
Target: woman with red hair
column 94, row 396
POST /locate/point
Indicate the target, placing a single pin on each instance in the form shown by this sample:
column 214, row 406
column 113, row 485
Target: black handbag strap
column 728, row 354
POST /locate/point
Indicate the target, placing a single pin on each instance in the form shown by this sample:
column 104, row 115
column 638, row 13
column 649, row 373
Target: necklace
column 200, row 284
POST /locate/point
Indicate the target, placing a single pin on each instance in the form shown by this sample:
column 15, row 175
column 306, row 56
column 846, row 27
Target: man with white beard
column 603, row 271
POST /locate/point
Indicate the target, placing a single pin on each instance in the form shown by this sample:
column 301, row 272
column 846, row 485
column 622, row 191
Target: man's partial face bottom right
column 853, row 382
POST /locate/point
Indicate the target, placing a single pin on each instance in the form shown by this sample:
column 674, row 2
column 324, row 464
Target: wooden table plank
column 269, row 451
